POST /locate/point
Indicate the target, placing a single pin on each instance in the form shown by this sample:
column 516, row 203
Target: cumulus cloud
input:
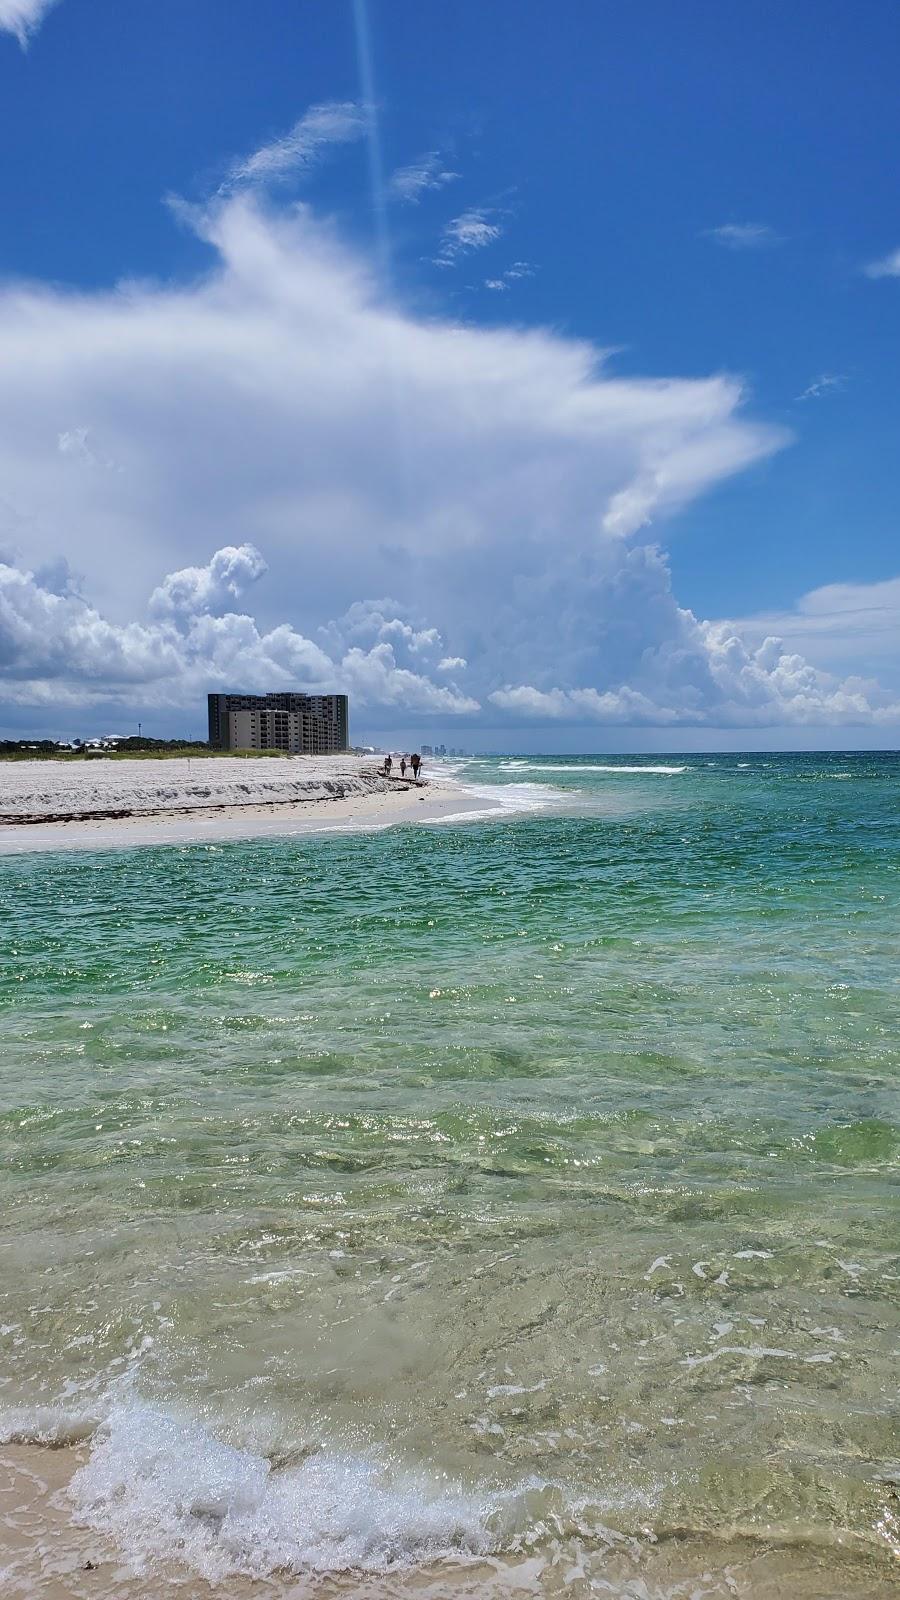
column 280, row 400
column 839, row 625
column 281, row 412
column 337, row 122
column 886, row 267
column 691, row 672
column 429, row 172
column 472, row 230
column 24, row 17
column 56, row 648
column 744, row 235
column 197, row 589
column 379, row 622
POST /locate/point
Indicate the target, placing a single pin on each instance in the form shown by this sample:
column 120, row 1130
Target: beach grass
column 179, row 752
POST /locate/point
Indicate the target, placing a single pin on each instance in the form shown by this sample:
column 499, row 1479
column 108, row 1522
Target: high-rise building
column 303, row 724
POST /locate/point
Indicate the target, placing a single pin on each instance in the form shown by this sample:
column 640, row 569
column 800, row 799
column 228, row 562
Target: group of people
column 414, row 763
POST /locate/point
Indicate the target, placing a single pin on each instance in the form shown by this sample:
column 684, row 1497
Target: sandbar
column 117, row 803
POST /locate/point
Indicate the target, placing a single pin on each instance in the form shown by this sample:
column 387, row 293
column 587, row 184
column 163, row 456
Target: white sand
column 57, row 805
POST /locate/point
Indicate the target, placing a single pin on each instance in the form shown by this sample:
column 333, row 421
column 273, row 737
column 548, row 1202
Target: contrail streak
column 394, row 387
column 376, row 168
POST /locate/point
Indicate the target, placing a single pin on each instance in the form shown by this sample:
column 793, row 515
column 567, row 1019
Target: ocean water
column 503, row 1205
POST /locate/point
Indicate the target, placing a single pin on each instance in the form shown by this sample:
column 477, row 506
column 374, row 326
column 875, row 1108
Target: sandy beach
column 98, row 804
column 46, row 1555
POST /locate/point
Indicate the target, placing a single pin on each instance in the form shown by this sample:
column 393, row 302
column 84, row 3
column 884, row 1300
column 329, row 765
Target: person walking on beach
column 403, row 766
column 416, row 764
column 387, row 766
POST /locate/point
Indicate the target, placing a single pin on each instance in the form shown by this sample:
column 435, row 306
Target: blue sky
column 535, row 366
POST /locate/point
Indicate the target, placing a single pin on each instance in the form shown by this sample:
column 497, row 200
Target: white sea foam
column 165, row 1488
column 504, row 797
column 535, row 766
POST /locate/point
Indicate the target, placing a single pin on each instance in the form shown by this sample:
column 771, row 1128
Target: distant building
column 427, row 750
column 303, row 724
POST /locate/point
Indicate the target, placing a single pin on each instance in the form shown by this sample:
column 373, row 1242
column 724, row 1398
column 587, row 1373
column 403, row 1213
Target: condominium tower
column 304, row 724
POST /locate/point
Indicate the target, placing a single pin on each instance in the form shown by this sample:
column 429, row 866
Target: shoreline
column 444, row 1215
column 47, row 1549
column 156, row 805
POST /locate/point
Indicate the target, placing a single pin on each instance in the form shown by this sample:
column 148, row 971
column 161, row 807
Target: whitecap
column 535, row 766
column 503, row 797
column 165, row 1488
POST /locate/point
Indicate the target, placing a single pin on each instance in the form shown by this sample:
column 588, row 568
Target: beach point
column 66, row 805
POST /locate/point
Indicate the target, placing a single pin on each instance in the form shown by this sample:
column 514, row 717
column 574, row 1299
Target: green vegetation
column 126, row 750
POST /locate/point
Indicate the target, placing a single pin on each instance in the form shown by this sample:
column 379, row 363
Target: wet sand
column 46, row 1555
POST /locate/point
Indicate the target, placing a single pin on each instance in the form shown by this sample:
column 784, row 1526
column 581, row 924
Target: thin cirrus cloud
column 23, row 17
column 886, row 267
column 510, row 501
column 851, row 626
column 471, row 230
column 827, row 383
column 301, row 148
column 744, row 235
column 429, row 172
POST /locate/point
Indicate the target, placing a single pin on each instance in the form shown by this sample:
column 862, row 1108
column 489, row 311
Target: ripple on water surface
column 513, row 1194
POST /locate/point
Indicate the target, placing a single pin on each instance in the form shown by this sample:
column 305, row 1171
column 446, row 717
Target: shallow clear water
column 517, row 1188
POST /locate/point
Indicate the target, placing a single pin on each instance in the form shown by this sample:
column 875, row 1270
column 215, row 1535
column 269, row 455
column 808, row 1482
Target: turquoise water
column 509, row 1198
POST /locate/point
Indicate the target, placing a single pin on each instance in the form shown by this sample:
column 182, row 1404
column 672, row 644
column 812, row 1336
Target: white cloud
column 23, row 17
column 73, row 442
column 373, row 678
column 744, row 235
column 519, row 269
column 490, row 480
column 338, row 122
column 887, row 267
column 209, row 588
column 472, row 230
column 410, row 183
column 826, row 384
column 79, row 445
column 58, row 649
column 729, row 674
column 379, row 622
column 839, row 625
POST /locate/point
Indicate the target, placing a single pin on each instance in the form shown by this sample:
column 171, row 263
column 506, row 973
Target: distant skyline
column 528, row 375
